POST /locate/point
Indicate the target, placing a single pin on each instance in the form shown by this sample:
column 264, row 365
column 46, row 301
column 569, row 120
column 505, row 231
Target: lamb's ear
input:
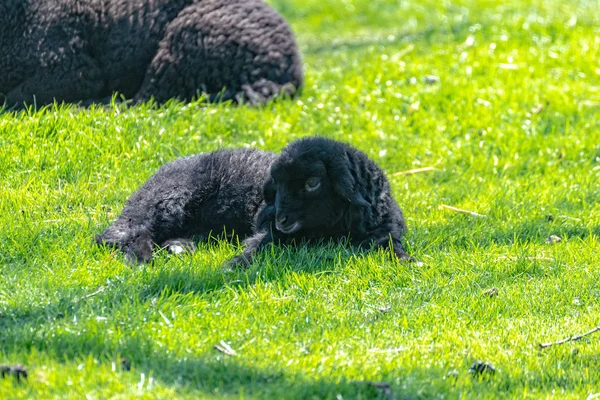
column 269, row 190
column 345, row 184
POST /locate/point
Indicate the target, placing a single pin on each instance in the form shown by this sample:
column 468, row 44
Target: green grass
column 307, row 323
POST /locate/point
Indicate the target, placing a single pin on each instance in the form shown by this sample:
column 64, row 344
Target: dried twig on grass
column 414, row 171
column 87, row 296
column 538, row 109
column 164, row 317
column 570, row 339
column 458, row 210
column 405, row 51
column 224, row 348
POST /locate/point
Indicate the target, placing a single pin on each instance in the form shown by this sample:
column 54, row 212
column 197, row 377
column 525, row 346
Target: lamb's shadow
column 178, row 275
column 184, row 275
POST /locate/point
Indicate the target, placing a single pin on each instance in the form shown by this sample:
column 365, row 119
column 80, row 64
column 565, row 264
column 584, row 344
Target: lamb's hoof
column 180, row 246
column 134, row 260
column 417, row 263
column 403, row 257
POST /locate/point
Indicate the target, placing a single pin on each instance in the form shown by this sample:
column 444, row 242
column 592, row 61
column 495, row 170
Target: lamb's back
column 207, row 192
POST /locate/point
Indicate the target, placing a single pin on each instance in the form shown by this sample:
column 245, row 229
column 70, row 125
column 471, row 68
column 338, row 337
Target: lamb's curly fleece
column 192, row 196
column 85, row 50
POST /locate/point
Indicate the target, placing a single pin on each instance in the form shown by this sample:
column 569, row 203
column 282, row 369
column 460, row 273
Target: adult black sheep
column 85, row 50
column 192, row 196
column 324, row 189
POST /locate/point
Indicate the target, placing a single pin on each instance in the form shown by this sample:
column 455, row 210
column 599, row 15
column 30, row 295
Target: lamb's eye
column 313, row 184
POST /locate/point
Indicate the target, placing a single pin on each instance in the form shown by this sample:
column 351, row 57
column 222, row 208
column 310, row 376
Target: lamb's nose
column 280, row 219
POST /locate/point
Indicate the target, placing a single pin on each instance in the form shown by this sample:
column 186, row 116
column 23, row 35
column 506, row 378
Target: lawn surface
column 512, row 128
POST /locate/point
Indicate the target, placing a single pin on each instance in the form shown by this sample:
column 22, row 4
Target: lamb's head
column 311, row 185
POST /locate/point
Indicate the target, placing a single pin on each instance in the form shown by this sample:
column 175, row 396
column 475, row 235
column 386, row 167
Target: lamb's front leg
column 253, row 244
column 389, row 242
column 386, row 239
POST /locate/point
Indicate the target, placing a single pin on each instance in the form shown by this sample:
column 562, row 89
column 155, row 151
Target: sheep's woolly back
column 84, row 50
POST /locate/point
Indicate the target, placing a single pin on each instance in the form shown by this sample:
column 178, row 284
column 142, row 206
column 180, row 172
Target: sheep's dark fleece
column 85, row 50
column 192, row 196
column 324, row 189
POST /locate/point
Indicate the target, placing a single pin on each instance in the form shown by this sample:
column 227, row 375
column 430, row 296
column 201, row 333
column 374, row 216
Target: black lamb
column 324, row 189
column 192, row 197
column 85, row 50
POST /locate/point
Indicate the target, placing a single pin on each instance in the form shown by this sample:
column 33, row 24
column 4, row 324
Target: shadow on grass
column 271, row 264
column 49, row 329
column 428, row 35
column 214, row 374
column 42, row 329
column 211, row 373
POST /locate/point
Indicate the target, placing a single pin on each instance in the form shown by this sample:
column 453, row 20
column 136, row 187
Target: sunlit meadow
column 498, row 100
